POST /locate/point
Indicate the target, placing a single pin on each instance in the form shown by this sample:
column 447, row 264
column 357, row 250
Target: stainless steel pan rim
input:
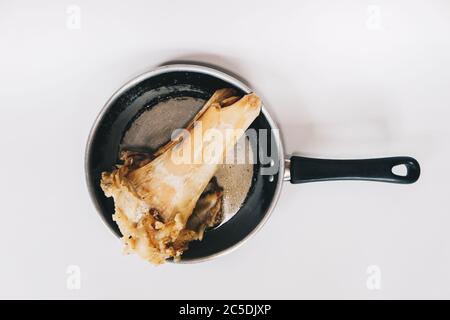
column 225, row 77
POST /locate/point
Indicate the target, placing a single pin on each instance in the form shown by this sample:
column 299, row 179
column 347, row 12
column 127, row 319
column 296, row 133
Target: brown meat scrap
column 155, row 200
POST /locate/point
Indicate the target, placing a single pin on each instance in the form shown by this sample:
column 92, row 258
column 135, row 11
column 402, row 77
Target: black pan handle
column 304, row 169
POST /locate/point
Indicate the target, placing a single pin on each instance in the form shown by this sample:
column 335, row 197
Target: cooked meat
column 155, row 199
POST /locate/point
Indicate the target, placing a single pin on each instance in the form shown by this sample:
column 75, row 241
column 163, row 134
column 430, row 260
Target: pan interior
column 125, row 122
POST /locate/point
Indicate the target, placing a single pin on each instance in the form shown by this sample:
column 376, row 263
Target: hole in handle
column 400, row 170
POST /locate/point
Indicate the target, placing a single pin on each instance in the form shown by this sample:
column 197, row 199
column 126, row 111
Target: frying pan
column 198, row 82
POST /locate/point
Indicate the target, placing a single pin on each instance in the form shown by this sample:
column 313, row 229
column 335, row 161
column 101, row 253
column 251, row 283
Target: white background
column 342, row 78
